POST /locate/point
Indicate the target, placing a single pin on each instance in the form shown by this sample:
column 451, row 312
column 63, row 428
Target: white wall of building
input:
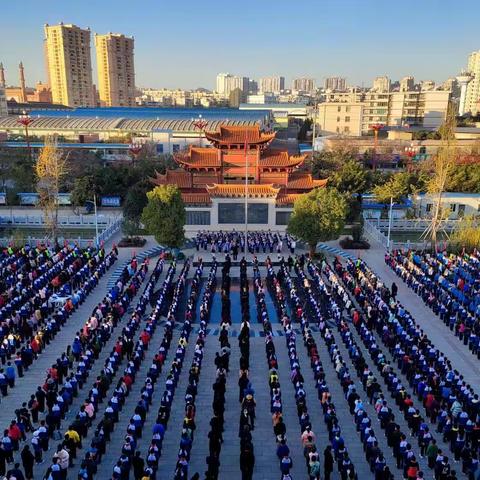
column 458, row 204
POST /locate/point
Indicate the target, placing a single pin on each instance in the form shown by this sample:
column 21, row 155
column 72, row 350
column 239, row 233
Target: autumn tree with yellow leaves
column 50, row 169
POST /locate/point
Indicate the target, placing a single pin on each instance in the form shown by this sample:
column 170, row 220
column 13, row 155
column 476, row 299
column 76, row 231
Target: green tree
column 328, row 161
column 304, row 129
column 318, row 216
column 136, row 201
column 464, row 178
column 466, row 235
column 350, row 178
column 164, row 215
column 443, row 164
column 83, row 189
column 399, row 186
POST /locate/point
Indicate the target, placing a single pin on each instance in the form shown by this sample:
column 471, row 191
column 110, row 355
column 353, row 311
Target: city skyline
column 329, row 40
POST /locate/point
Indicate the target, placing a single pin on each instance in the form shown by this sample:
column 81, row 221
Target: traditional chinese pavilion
column 212, row 180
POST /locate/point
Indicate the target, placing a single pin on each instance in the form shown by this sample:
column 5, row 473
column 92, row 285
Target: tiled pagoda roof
column 180, row 178
column 280, row 159
column 233, row 134
column 304, row 181
column 199, row 198
column 205, row 157
column 238, row 190
column 199, row 157
column 287, row 198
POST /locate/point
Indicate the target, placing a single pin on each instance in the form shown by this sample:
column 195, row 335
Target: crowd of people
column 51, row 399
column 189, row 425
column 449, row 285
column 29, row 320
column 130, row 456
column 451, row 406
column 393, row 378
column 233, row 242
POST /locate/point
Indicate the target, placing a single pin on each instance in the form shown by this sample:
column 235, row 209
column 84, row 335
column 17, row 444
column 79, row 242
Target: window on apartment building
column 346, row 129
column 429, row 207
column 461, row 210
column 347, row 109
column 338, row 119
column 453, row 207
column 347, row 119
column 338, row 130
column 339, row 109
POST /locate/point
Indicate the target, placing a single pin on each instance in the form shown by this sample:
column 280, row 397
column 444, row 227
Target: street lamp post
column 200, row 124
column 134, row 149
column 26, row 120
column 376, row 128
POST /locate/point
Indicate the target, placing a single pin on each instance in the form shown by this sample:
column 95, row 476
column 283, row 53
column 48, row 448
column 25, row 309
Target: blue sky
column 186, row 43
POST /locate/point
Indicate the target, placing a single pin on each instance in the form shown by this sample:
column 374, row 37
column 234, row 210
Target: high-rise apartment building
column 272, row 84
column 227, row 83
column 472, row 99
column 69, row 65
column 381, row 84
column 335, row 83
column 303, row 84
column 407, row 84
column 222, row 81
column 116, row 72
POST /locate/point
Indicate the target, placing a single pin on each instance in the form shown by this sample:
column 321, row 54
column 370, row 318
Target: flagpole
column 246, row 201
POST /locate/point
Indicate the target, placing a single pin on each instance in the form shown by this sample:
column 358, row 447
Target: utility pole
column 314, row 125
column 96, row 219
column 389, row 223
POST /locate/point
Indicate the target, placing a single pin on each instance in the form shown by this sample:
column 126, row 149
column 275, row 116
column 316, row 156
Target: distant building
column 381, row 84
column 22, row 93
column 3, row 101
column 261, row 98
column 473, row 88
column 339, row 118
column 252, row 86
column 427, row 85
column 2, row 76
column 116, row 71
column 335, row 83
column 303, row 84
column 457, row 205
column 407, row 84
column 69, row 65
column 274, row 84
column 236, row 97
column 226, row 83
column 356, row 113
column 222, row 84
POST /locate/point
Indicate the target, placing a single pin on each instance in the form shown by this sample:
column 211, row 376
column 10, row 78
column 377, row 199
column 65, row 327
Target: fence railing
column 64, row 221
column 33, row 240
column 109, row 232
column 373, row 231
column 411, row 225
